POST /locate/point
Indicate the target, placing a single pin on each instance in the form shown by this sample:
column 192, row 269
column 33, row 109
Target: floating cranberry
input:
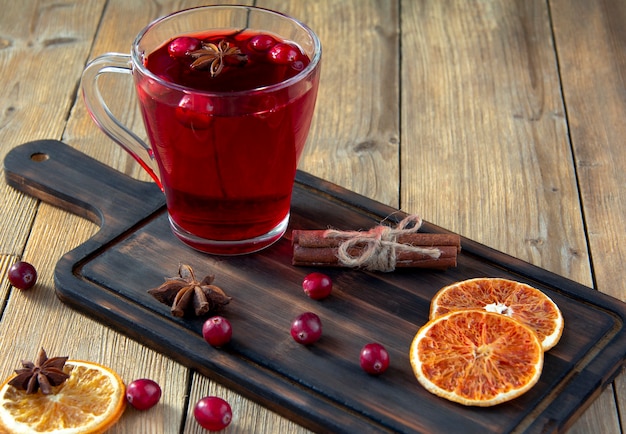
column 317, row 286
column 213, row 413
column 195, row 111
column 262, row 42
column 217, row 331
column 180, row 48
column 298, row 65
column 22, row 275
column 306, row 328
column 374, row 359
column 143, row 393
column 284, row 54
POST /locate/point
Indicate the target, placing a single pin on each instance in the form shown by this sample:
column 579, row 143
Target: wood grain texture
column 591, row 42
column 485, row 126
column 33, row 34
column 593, row 69
column 459, row 118
column 356, row 146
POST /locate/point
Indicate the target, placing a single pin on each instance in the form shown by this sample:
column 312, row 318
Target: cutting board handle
column 60, row 175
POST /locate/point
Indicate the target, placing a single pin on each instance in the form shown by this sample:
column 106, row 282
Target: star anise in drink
column 186, row 295
column 214, row 56
column 43, row 374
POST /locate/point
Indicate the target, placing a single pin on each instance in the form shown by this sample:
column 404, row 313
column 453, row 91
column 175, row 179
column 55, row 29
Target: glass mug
column 225, row 159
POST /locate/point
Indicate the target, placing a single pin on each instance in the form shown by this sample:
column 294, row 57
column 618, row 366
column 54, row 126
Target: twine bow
column 380, row 246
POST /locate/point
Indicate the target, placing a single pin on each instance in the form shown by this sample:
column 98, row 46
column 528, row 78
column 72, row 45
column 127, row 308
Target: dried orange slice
column 91, row 400
column 476, row 358
column 517, row 300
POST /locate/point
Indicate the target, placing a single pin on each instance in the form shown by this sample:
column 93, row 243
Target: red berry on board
column 22, row 275
column 213, row 413
column 306, row 328
column 317, row 286
column 284, row 54
column 143, row 393
column 179, row 48
column 217, row 331
column 374, row 359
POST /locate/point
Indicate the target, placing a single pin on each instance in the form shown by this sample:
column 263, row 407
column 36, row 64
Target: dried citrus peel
column 476, row 358
column 507, row 297
column 91, row 400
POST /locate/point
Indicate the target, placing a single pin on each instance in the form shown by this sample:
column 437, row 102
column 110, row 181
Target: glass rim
column 136, row 54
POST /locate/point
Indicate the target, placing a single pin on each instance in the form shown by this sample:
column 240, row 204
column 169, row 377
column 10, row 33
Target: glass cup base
column 231, row 248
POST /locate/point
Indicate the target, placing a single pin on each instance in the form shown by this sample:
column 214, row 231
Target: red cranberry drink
column 227, row 103
column 227, row 163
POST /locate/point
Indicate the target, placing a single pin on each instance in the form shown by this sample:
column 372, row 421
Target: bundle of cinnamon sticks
column 317, row 248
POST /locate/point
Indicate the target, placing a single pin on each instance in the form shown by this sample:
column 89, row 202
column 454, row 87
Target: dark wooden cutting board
column 322, row 386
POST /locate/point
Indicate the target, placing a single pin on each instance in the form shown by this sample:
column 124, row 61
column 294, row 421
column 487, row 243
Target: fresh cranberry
column 306, row 328
column 22, row 275
column 217, row 331
column 262, row 43
column 213, row 413
column 143, row 393
column 179, row 48
column 317, row 285
column 284, row 54
column 195, row 111
column 374, row 359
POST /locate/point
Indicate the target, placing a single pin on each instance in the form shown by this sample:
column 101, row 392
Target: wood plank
column 34, row 34
column 354, row 139
column 591, row 47
column 37, row 40
column 483, row 130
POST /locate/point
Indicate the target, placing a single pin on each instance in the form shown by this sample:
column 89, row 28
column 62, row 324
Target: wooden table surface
column 500, row 120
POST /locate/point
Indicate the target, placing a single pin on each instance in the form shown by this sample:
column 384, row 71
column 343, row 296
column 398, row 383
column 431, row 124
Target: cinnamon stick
column 381, row 248
column 317, row 239
column 327, row 257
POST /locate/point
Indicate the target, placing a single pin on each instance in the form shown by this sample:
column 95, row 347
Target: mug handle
column 102, row 116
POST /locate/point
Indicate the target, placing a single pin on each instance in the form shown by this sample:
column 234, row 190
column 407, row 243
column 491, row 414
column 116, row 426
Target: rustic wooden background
column 501, row 120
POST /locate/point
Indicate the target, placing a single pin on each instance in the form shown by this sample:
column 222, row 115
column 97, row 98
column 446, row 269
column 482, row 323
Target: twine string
column 380, row 245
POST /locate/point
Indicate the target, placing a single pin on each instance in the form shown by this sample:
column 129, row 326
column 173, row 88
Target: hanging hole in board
column 39, row 156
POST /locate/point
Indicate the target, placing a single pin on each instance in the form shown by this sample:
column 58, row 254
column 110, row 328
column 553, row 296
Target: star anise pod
column 187, row 295
column 42, row 374
column 214, row 56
